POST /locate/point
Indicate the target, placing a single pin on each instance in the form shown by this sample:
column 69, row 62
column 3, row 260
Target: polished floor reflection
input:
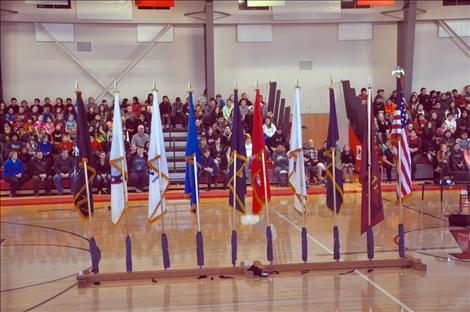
column 43, row 247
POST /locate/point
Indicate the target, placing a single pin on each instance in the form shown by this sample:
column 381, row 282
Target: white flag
column 117, row 160
column 296, row 158
column 158, row 178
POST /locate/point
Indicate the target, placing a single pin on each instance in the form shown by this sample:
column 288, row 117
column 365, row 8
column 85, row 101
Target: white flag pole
column 196, row 186
column 234, row 189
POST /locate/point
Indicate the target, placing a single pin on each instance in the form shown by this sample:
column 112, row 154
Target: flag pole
column 164, row 238
column 234, row 230
column 304, row 241
column 269, row 235
column 128, row 242
column 93, row 247
column 87, row 186
column 370, row 234
column 336, row 246
column 401, row 228
column 199, row 239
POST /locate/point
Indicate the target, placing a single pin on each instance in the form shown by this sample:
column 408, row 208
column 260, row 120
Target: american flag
column 399, row 137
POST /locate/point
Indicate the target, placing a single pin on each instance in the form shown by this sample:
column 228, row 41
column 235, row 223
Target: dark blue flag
column 192, row 148
column 237, row 146
column 85, row 161
column 331, row 145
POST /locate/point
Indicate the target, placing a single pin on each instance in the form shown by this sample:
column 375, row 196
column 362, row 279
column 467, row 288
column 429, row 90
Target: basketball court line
column 359, row 273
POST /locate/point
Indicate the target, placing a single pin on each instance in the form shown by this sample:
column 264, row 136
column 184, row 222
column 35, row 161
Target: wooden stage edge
column 178, row 195
column 88, row 279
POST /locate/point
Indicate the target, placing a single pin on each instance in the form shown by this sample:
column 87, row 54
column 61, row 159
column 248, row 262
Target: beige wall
column 38, row 69
column 438, row 63
column 279, row 60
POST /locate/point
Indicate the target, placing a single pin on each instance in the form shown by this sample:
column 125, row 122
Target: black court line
column 46, row 282
column 420, row 211
column 46, row 227
column 52, row 298
column 390, row 250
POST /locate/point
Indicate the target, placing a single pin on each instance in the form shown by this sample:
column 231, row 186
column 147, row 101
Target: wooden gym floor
column 43, row 247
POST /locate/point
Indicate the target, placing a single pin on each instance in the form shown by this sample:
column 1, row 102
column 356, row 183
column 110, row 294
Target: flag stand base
column 88, row 279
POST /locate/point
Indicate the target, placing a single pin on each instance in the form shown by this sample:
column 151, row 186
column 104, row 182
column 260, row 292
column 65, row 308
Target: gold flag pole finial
column 76, row 86
column 154, row 86
column 331, row 82
column 115, row 90
column 257, row 85
column 235, row 86
column 189, row 87
column 369, row 83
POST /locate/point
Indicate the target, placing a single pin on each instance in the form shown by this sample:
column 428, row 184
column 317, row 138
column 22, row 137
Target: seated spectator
column 177, row 115
column 131, row 152
column 210, row 137
column 281, row 165
column 390, row 107
column 269, row 128
column 63, row 166
column 313, row 167
column 457, row 161
column 25, row 157
column 140, row 138
column 220, row 101
column 384, row 126
column 139, row 175
column 165, row 112
column 220, row 125
column 466, row 155
column 277, row 139
column 463, row 140
column 448, row 139
column 65, row 143
column 419, row 123
column 415, row 145
column 209, row 168
column 378, row 105
column 40, row 169
column 450, row 123
column 49, row 125
column 443, row 161
column 14, row 144
column 226, row 136
column 220, row 155
column 103, row 174
column 388, row 160
column 321, row 155
column 14, row 172
column 363, row 95
column 452, row 108
column 227, row 110
column 45, row 146
column 348, row 160
column 135, row 107
column 211, row 118
column 70, row 124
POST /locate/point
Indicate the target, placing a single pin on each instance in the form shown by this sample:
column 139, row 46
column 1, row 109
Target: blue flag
column 331, row 145
column 237, row 146
column 192, row 148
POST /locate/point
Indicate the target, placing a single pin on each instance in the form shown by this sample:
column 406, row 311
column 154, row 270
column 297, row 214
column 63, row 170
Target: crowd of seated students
column 36, row 140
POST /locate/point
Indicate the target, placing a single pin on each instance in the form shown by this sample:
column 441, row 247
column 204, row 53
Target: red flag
column 257, row 176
